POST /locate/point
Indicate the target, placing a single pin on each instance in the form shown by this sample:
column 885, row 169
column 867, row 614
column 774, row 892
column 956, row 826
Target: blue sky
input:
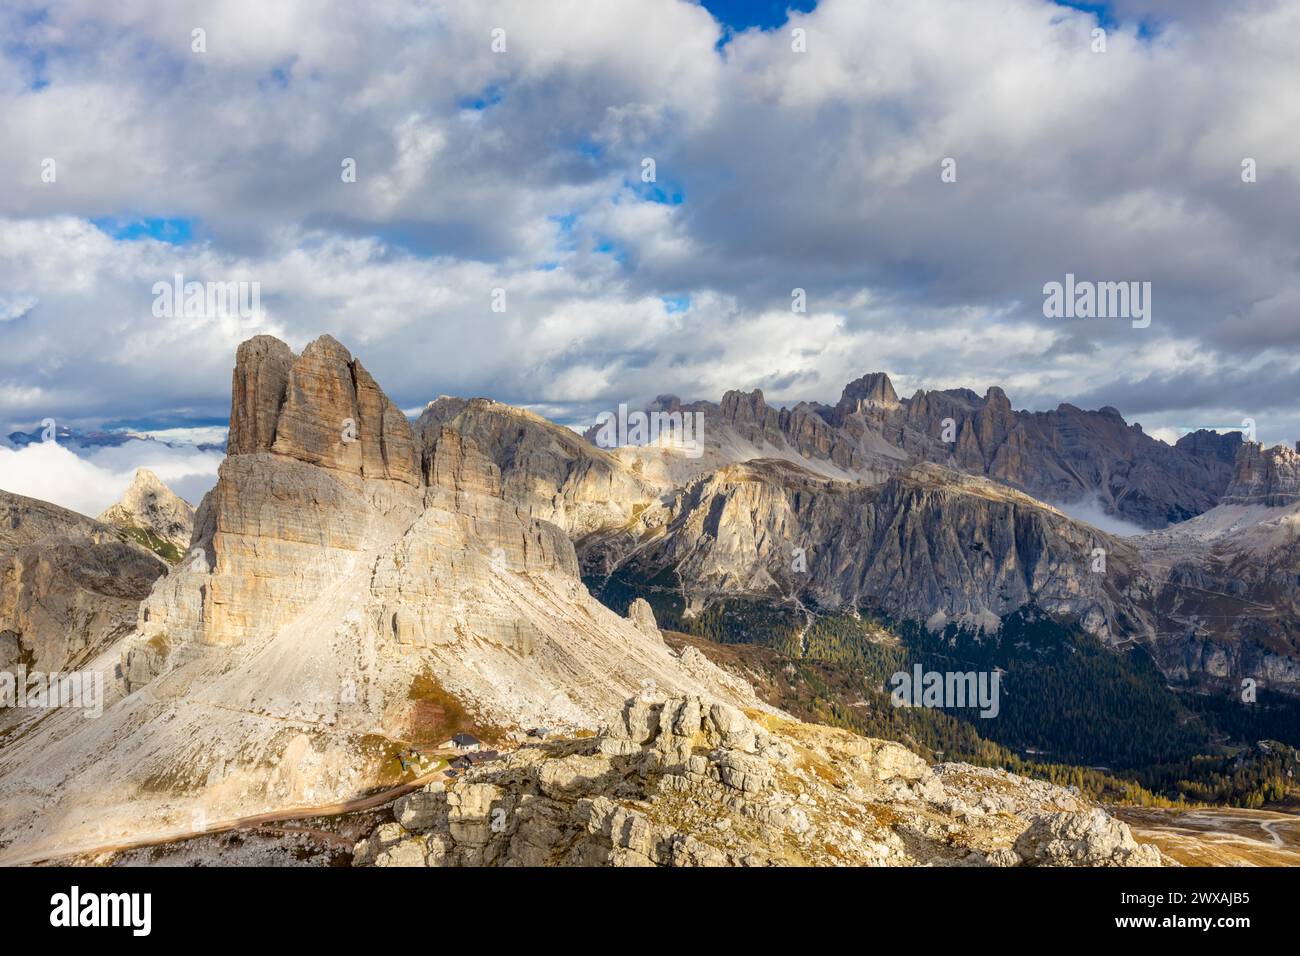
column 1104, row 12
column 740, row 15
column 174, row 231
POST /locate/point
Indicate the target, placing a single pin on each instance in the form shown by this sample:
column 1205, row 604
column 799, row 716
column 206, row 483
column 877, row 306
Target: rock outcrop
column 257, row 393
column 641, row 614
column 544, row 469
column 69, row 586
column 1265, row 476
column 154, row 515
column 1091, row 838
column 685, row 781
column 335, row 416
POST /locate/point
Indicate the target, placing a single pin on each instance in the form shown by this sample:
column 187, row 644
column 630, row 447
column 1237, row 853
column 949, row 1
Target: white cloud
column 15, row 306
column 200, row 435
column 51, row 472
column 1093, row 512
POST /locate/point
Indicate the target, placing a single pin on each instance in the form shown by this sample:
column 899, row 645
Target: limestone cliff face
column 547, row 470
column 1206, row 444
column 270, row 538
column 69, row 586
column 335, row 416
column 1265, row 476
column 257, row 392
column 928, row 544
column 1228, row 577
column 153, row 513
column 873, row 391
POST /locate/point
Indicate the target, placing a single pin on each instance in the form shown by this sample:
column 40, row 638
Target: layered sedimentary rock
column 928, row 544
column 69, row 586
column 257, row 392
column 686, row 781
column 1228, row 577
column 1265, row 476
column 153, row 514
column 335, row 416
column 547, row 470
column 1206, row 444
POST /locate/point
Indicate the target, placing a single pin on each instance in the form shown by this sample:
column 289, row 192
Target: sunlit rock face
column 1265, row 476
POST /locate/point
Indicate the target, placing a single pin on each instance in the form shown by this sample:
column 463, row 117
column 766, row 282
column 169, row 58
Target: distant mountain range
column 90, row 438
column 1061, row 456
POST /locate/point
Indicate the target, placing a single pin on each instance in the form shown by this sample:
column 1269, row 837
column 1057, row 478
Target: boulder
column 1089, row 838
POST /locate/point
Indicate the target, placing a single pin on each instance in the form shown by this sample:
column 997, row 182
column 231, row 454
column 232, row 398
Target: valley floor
column 1218, row 836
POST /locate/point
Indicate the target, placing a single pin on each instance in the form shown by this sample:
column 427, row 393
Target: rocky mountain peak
column 321, row 407
column 750, row 415
column 666, row 403
column 1265, row 476
column 150, row 510
column 744, row 406
column 1206, row 443
column 873, row 390
column 996, row 398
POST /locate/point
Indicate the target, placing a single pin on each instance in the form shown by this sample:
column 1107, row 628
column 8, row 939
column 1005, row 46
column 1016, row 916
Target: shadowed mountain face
column 929, row 544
